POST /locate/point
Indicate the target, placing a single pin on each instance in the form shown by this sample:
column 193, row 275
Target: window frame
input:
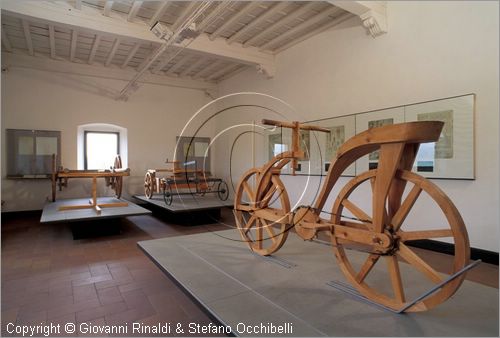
column 85, row 133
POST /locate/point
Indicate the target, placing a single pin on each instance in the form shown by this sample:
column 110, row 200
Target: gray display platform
column 51, row 214
column 236, row 286
column 187, row 203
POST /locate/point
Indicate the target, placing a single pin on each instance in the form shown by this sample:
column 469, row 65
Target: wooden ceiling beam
column 136, row 5
column 178, row 65
column 112, row 52
column 91, row 21
column 209, row 19
column 131, row 54
column 6, row 42
column 95, row 45
column 27, row 37
column 184, row 14
column 107, row 8
column 72, row 49
column 162, row 8
column 309, row 22
column 337, row 21
column 250, row 6
column 283, row 21
column 207, row 69
column 195, row 64
column 52, row 41
column 224, row 70
column 50, row 65
column 373, row 14
column 263, row 17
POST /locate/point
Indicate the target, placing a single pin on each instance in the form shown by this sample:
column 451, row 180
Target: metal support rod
column 350, row 290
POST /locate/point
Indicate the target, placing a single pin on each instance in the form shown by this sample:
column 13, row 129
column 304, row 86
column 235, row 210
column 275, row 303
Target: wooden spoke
column 412, row 258
column 269, row 230
column 424, row 234
column 269, row 194
column 395, row 274
column 258, row 230
column 356, row 211
column 405, row 208
column 367, row 267
column 249, row 191
column 247, row 226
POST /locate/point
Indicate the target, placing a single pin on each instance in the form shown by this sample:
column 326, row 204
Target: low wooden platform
column 235, row 286
column 52, row 214
column 187, row 203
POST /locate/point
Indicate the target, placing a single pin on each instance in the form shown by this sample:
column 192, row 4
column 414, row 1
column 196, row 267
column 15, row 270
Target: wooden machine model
column 263, row 215
column 190, row 181
column 113, row 177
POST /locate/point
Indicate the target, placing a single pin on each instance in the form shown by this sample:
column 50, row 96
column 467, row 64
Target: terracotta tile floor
column 47, row 277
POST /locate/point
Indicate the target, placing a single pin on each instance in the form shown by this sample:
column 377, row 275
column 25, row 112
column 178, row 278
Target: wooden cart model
column 113, row 178
column 263, row 215
column 182, row 180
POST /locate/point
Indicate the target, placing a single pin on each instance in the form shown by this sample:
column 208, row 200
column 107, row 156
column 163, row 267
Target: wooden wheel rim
column 168, row 197
column 148, row 185
column 276, row 236
column 458, row 233
column 222, row 191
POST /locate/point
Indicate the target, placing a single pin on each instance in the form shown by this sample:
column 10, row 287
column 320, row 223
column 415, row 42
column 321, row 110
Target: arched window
column 99, row 143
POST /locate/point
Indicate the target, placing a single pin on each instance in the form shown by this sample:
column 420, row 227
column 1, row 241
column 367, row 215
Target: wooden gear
column 263, row 215
column 113, row 178
column 194, row 181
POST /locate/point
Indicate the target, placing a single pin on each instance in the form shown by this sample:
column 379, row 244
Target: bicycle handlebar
column 293, row 125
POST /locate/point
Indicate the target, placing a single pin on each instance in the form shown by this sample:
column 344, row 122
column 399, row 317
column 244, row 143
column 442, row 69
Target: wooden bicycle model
column 263, row 215
column 113, row 178
column 183, row 181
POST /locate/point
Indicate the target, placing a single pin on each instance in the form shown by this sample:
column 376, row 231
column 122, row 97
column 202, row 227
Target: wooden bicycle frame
column 381, row 232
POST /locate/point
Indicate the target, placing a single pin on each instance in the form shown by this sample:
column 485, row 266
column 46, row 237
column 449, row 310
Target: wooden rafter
column 204, row 71
column 112, row 53
column 266, row 15
column 178, row 65
column 224, row 70
column 250, row 6
column 162, row 8
column 131, row 54
column 52, row 42
column 219, row 7
column 304, row 25
column 184, row 14
column 72, row 51
column 27, row 37
column 6, row 42
column 341, row 18
column 281, row 22
column 95, row 45
column 195, row 64
column 136, row 5
column 107, row 8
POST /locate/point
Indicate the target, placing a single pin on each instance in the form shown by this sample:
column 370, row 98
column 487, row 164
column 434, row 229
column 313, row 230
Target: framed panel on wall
column 375, row 119
column 452, row 156
column 29, row 152
column 324, row 146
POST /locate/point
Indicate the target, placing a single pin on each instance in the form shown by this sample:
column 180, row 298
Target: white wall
column 153, row 116
column 432, row 50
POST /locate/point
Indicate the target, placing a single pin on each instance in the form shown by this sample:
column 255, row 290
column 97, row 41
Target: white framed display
column 375, row 119
column 452, row 156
